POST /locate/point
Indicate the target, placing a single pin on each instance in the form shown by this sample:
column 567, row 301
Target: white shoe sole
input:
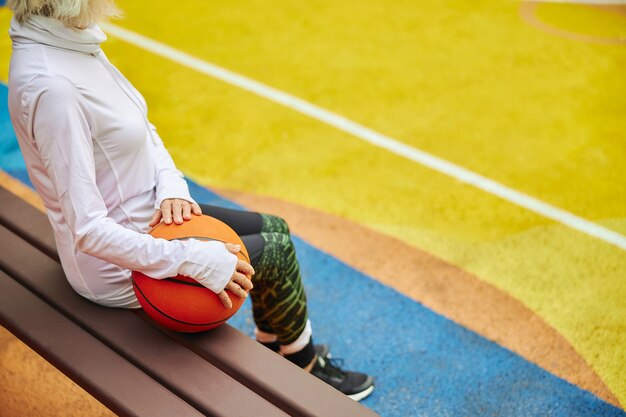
column 360, row 395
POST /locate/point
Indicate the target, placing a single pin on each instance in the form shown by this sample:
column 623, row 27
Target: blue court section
column 424, row 364
column 11, row 160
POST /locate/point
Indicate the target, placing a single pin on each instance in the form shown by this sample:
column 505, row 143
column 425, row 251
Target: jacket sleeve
column 170, row 182
column 60, row 126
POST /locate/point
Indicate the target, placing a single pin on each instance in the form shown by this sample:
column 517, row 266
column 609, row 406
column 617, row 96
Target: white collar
column 48, row 31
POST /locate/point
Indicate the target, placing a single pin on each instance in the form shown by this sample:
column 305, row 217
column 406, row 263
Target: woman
column 106, row 178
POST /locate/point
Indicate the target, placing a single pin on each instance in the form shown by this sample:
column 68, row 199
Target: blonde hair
column 72, row 13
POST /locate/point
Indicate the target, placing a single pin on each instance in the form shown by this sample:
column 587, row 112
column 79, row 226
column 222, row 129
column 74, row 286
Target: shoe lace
column 332, row 366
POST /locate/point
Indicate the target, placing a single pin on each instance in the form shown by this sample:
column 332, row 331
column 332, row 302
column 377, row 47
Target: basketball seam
column 180, row 281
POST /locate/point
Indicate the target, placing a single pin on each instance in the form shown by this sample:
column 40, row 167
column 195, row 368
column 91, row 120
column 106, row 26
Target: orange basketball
column 181, row 303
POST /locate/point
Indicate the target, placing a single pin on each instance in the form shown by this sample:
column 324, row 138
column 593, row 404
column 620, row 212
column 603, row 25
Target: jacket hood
column 51, row 32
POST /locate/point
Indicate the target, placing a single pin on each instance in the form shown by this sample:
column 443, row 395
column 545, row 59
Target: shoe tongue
column 329, row 368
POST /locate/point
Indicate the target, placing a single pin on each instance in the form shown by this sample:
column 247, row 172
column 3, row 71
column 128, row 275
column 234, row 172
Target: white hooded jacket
column 99, row 165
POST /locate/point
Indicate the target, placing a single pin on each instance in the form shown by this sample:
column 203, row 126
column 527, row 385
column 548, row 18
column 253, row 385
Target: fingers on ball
column 177, row 208
column 236, row 289
column 242, row 281
column 244, row 267
column 225, row 299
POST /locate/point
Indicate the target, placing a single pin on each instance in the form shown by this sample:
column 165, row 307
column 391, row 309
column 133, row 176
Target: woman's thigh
column 247, row 224
column 242, row 222
column 255, row 244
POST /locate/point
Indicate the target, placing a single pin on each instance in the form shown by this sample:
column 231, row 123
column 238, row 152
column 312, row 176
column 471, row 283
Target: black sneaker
column 354, row 384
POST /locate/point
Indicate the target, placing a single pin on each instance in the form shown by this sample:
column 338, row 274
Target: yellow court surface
column 531, row 96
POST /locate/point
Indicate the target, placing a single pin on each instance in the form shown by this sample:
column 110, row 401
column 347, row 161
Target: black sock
column 303, row 357
column 275, row 346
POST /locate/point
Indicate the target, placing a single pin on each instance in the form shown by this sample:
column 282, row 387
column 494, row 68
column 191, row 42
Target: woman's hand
column 176, row 209
column 240, row 282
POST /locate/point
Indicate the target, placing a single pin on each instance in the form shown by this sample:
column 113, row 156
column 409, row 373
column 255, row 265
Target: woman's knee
column 279, row 250
column 274, row 224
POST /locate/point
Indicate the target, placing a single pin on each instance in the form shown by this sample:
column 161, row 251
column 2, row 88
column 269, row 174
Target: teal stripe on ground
column 11, row 160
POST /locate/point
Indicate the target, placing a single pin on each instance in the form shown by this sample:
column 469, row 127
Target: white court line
column 377, row 139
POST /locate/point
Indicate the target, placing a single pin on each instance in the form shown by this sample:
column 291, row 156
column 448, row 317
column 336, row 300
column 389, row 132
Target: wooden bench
column 131, row 365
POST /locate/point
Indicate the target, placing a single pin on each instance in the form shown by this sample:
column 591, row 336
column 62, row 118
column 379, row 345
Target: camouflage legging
column 278, row 299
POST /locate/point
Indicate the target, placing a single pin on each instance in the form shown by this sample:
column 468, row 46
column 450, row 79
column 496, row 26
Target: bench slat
column 267, row 375
column 27, row 222
column 72, row 350
column 186, row 374
column 270, row 376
